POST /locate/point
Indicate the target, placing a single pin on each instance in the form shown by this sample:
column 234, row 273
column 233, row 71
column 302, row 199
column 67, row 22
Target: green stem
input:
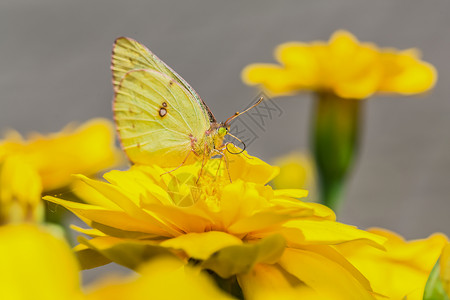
column 335, row 139
column 331, row 194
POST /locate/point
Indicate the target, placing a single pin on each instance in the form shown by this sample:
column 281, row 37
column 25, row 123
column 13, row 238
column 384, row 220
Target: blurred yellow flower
column 36, row 265
column 296, row 172
column 243, row 229
column 44, row 163
column 86, row 150
column 402, row 270
column 163, row 279
column 20, row 191
column 343, row 66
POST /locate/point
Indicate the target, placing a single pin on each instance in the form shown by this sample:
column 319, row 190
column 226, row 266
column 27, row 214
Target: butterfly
column 159, row 117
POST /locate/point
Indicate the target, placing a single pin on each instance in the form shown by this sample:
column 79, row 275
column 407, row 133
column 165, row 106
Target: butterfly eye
column 222, row 131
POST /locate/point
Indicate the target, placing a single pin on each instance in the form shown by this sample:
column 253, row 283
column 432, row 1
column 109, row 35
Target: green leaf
column 128, row 253
column 434, row 290
column 238, row 259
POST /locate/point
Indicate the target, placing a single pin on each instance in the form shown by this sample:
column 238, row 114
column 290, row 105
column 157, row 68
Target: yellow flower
column 343, row 66
column 241, row 229
column 44, row 163
column 400, row 271
column 86, row 150
column 20, row 191
column 36, row 265
column 296, row 171
column 163, row 279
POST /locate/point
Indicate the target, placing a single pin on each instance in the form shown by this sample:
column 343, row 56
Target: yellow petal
column 298, row 232
column 274, row 79
column 20, row 191
column 400, row 271
column 112, row 218
column 265, row 278
column 163, row 279
column 291, row 193
column 444, row 264
column 86, row 150
column 296, row 172
column 406, row 74
column 36, row 265
column 323, row 275
column 136, row 184
column 109, row 191
column 250, row 168
column 266, row 219
column 201, row 245
column 301, row 61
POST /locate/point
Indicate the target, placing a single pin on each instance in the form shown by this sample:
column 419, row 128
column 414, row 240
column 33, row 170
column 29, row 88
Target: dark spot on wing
column 162, row 112
column 164, row 104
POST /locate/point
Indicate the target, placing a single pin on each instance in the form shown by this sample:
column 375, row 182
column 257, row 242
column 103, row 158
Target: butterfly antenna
column 235, row 137
column 240, row 113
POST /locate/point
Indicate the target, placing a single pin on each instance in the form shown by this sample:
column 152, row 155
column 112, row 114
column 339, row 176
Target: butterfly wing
column 129, row 55
column 157, row 118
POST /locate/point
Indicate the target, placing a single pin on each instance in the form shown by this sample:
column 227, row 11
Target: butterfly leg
column 218, row 167
column 203, row 162
column 227, row 164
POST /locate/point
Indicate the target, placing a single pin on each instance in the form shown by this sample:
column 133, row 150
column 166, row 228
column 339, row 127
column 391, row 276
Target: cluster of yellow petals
column 343, row 66
column 38, row 265
column 43, row 163
column 243, row 228
column 401, row 271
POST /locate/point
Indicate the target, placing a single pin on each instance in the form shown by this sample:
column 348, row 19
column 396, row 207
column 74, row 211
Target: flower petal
column 163, row 279
column 298, row 232
column 201, row 245
column 324, row 275
column 36, row 265
column 112, row 218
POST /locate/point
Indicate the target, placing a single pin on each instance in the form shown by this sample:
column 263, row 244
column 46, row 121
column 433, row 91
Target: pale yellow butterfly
column 159, row 117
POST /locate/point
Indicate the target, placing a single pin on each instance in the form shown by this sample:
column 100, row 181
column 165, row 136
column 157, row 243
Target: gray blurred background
column 54, row 68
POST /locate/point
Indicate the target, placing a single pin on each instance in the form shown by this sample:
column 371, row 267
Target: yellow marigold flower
column 241, row 229
column 343, row 66
column 163, row 279
column 36, row 265
column 20, row 191
column 86, row 150
column 44, row 163
column 296, row 171
column 402, row 270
